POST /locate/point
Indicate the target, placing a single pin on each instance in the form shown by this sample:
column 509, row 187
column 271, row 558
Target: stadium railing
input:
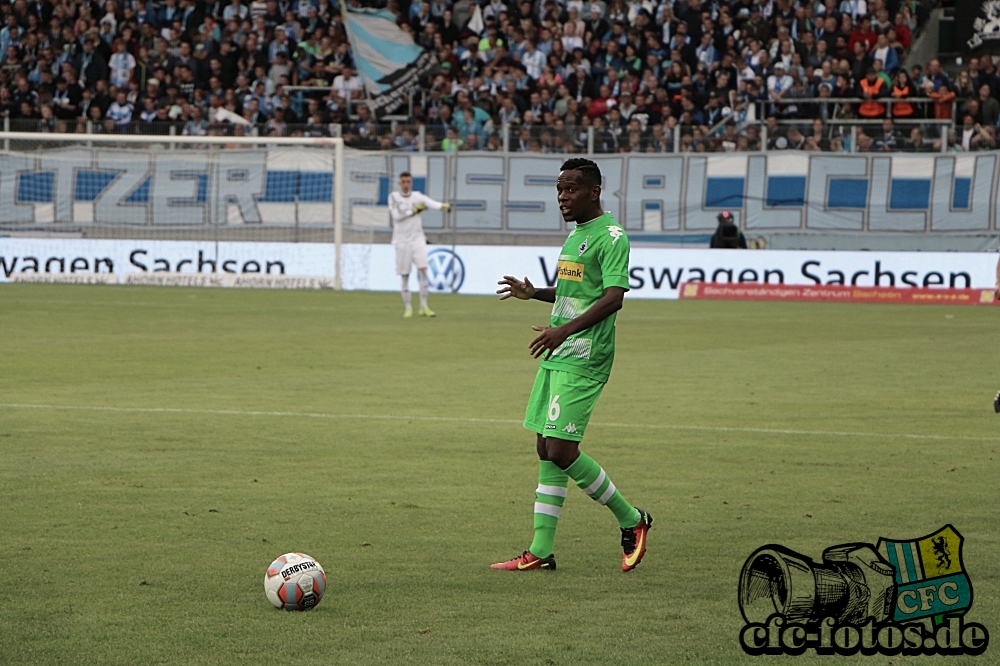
column 404, row 136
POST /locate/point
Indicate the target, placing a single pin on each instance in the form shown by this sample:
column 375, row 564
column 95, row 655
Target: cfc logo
column 901, row 596
column 445, row 271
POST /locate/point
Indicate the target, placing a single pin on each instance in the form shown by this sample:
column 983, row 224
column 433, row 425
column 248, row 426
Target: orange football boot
column 526, row 562
column 634, row 541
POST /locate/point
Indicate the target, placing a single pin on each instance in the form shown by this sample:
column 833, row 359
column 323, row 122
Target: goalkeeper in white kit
column 408, row 237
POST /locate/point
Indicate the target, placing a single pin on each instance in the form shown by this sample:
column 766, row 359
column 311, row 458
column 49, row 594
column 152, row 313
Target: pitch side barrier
column 189, row 187
column 472, row 269
column 663, row 197
column 837, row 294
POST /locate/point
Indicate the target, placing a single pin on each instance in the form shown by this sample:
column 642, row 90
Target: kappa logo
column 571, row 428
column 445, row 271
column 616, row 233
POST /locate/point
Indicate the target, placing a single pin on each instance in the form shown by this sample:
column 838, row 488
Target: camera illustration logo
column 445, row 271
column 896, row 597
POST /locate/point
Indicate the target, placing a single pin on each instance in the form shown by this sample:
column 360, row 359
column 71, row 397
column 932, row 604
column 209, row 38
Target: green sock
column 593, row 480
column 549, row 498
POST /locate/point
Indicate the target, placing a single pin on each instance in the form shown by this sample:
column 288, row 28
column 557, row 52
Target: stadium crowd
column 532, row 76
column 622, row 76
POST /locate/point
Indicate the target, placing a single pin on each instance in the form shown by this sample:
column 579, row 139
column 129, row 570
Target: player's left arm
column 431, row 203
column 614, row 271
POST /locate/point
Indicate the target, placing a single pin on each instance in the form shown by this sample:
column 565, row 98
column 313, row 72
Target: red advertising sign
column 835, row 293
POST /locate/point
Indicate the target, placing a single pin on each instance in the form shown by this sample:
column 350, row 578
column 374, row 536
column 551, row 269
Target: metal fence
column 814, row 124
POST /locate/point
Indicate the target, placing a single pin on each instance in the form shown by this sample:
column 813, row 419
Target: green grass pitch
column 180, row 439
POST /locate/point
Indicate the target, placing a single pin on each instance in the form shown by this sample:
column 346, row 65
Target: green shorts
column 561, row 404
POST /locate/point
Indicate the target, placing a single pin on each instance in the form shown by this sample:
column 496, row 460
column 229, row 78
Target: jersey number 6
column 554, row 408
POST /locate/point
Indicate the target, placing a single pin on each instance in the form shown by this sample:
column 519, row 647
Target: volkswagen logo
column 445, row 271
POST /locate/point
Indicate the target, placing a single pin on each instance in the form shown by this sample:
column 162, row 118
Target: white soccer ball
column 295, row 582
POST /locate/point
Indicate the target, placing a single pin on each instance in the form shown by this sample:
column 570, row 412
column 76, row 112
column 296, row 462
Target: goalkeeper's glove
column 446, row 207
column 419, row 208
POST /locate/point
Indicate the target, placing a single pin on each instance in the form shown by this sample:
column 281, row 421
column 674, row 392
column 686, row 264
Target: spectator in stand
column 533, row 60
column 984, row 138
column 91, row 64
column 66, row 98
column 122, row 64
column 778, row 86
column 968, row 132
column 863, row 34
column 854, row 8
column 964, row 86
column 871, row 88
column 861, row 61
column 347, row 84
column 943, row 94
column 989, row 107
column 197, row 125
column 888, row 140
column 599, row 107
column 985, row 74
column 903, row 34
column 149, row 111
column 563, row 69
column 903, row 88
column 916, row 144
column 886, row 54
column 276, row 125
column 120, row 111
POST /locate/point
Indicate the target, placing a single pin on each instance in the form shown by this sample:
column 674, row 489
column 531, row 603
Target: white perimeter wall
column 654, row 272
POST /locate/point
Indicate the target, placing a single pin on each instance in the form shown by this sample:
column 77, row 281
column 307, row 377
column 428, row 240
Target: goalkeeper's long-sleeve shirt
column 408, row 226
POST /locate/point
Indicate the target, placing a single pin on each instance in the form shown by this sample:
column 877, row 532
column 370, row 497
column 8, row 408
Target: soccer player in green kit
column 578, row 349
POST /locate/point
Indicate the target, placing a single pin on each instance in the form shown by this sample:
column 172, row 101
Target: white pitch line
column 239, row 412
column 460, row 419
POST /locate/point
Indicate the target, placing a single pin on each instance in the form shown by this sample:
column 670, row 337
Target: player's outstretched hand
column 446, row 207
column 548, row 340
column 511, row 286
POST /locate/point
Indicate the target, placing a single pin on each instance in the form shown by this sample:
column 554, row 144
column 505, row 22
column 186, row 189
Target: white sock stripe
column 607, row 494
column 595, row 486
column 548, row 509
column 555, row 491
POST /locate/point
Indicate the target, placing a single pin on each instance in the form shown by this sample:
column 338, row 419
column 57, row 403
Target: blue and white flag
column 389, row 62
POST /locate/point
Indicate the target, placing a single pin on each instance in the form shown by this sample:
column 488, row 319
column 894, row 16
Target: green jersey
column 594, row 257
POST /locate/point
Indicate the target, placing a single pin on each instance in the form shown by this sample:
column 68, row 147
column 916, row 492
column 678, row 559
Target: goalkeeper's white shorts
column 411, row 253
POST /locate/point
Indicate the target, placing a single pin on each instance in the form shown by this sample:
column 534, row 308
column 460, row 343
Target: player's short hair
column 405, row 174
column 588, row 168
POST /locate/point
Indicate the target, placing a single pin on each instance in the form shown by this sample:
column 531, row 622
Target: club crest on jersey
column 616, row 232
column 583, row 246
